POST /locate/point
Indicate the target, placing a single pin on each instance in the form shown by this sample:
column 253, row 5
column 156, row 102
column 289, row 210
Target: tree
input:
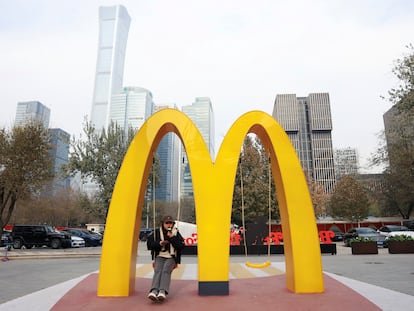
column 349, row 200
column 319, row 197
column 403, row 94
column 99, row 158
column 25, row 165
column 396, row 151
column 254, row 164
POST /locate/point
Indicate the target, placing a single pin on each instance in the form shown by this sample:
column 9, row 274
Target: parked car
column 39, row 235
column 91, row 238
column 144, row 233
column 339, row 235
column 6, row 238
column 365, row 232
column 408, row 233
column 409, row 224
column 77, row 241
column 386, row 230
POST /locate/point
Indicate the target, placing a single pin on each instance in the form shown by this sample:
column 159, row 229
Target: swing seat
column 258, row 265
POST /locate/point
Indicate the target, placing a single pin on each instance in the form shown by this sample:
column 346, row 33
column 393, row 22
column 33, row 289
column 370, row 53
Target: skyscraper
column 169, row 155
column 131, row 107
column 308, row 123
column 201, row 113
column 59, row 139
column 346, row 162
column 114, row 24
column 60, row 154
column 32, row 111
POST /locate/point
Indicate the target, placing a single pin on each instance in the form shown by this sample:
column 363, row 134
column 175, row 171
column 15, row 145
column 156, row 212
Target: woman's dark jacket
column 153, row 244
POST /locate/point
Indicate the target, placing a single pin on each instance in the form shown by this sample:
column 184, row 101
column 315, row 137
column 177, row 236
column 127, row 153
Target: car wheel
column 28, row 246
column 17, row 244
column 55, row 243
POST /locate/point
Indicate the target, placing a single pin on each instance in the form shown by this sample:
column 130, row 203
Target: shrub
column 400, row 237
column 360, row 239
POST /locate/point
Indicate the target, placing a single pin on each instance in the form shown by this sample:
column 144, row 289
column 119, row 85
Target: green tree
column 254, row 164
column 25, row 165
column 349, row 200
column 396, row 151
column 98, row 158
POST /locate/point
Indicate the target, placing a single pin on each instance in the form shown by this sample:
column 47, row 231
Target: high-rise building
column 201, row 113
column 60, row 153
column 131, row 107
column 169, row 156
column 114, row 24
column 346, row 162
column 59, row 139
column 308, row 124
column 32, row 111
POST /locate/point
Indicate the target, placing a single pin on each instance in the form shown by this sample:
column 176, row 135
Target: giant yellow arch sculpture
column 213, row 190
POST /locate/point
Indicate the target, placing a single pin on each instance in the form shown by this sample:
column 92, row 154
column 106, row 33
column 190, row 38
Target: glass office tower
column 131, row 107
column 114, row 24
column 60, row 140
column 32, row 111
column 308, row 123
column 201, row 113
column 169, row 155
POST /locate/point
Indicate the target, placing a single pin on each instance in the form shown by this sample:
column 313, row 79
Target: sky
column 239, row 53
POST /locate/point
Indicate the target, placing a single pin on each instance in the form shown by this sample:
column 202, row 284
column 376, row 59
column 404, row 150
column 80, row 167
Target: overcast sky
column 240, row 53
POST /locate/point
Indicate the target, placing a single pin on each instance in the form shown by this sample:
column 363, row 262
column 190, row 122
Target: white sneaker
column 161, row 296
column 152, row 296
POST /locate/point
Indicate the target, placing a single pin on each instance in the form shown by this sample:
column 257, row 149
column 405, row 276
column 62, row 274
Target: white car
column 386, row 230
column 408, row 233
column 77, row 241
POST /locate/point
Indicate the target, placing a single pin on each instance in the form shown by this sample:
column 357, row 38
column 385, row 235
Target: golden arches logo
column 213, row 184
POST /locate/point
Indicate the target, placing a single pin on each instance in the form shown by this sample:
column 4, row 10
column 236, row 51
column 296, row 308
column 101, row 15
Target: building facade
column 32, row 111
column 131, row 107
column 169, row 154
column 201, row 113
column 114, row 24
column 60, row 153
column 308, row 124
column 346, row 162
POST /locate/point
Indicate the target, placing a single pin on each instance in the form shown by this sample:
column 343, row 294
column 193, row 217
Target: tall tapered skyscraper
column 308, row 123
column 114, row 24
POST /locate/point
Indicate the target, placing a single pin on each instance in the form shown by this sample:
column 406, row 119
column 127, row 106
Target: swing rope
column 266, row 263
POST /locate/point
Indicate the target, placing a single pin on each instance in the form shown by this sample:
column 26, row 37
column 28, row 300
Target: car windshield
column 50, row 229
column 398, row 228
column 365, row 230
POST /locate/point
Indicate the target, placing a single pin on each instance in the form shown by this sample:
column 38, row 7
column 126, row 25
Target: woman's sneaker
column 161, row 296
column 153, row 296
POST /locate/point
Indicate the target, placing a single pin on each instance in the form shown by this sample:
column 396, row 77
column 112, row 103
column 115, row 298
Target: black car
column 339, row 236
column 144, row 233
column 91, row 238
column 39, row 235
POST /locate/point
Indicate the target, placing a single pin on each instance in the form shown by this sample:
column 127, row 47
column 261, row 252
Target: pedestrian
column 165, row 244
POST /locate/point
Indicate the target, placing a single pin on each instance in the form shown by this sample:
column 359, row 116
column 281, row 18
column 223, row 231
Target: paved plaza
column 249, row 288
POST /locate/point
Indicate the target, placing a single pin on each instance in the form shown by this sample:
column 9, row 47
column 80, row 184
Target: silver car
column 365, row 232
